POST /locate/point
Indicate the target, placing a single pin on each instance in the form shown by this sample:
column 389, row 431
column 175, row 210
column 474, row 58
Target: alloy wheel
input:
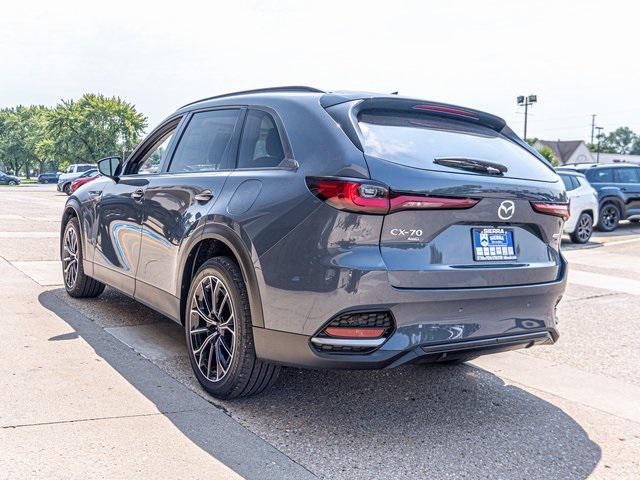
column 585, row 228
column 70, row 257
column 212, row 328
column 610, row 216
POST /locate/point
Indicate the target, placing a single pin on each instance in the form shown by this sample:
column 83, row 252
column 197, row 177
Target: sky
column 579, row 57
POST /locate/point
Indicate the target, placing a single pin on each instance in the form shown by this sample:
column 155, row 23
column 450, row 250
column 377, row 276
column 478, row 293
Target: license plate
column 493, row 244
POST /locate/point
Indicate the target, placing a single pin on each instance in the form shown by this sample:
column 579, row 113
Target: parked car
column 583, row 201
column 6, row 179
column 49, row 177
column 414, row 232
column 73, row 172
column 86, row 177
column 618, row 187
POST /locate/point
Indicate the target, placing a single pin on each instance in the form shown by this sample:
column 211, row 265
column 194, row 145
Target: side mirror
column 110, row 167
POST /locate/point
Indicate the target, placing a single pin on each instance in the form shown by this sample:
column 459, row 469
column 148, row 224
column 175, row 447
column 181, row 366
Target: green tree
column 547, row 153
column 23, row 136
column 620, row 140
column 93, row 127
column 635, row 148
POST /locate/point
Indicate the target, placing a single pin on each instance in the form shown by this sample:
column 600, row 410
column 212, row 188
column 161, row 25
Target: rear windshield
column 416, row 140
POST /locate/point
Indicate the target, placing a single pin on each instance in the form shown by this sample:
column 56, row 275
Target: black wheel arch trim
column 231, row 239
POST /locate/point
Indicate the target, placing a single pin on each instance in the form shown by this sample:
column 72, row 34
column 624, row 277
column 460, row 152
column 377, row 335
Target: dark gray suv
column 289, row 226
column 618, row 187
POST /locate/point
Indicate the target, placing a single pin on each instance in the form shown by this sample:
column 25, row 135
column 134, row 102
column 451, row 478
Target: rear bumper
column 295, row 350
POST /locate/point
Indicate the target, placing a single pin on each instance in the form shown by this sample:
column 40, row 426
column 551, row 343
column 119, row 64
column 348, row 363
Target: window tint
column 627, row 175
column 152, row 161
column 260, row 146
column 204, row 144
column 600, row 175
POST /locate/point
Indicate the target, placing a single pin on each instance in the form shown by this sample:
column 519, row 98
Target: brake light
column 350, row 195
column 369, row 197
column 449, row 110
column 557, row 209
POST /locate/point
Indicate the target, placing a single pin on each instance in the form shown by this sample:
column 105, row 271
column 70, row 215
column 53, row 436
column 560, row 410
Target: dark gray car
column 6, row 179
column 290, row 226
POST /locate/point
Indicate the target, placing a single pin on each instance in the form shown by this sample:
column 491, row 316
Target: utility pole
column 593, row 126
column 598, row 148
column 526, row 101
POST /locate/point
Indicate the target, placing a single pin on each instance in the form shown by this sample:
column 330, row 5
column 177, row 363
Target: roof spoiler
column 393, row 102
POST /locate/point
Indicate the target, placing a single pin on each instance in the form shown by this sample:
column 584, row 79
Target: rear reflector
column 369, row 197
column 348, row 332
column 557, row 209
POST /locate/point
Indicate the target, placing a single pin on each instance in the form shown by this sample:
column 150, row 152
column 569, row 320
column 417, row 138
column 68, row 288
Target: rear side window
column 416, row 140
column 627, row 175
column 260, row 146
column 600, row 175
column 84, row 168
column 205, row 143
column 570, row 182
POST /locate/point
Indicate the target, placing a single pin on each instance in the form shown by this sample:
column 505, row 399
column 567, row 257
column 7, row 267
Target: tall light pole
column 526, row 101
column 599, row 136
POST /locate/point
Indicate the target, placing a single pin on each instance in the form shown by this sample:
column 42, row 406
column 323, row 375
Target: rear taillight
column 351, row 195
column 413, row 202
column 370, row 197
column 557, row 209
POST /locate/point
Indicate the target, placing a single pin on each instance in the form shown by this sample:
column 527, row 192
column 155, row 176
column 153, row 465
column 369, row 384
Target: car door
column 119, row 212
column 179, row 197
column 629, row 181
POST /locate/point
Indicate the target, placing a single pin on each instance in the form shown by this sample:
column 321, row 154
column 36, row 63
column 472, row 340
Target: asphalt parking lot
column 102, row 388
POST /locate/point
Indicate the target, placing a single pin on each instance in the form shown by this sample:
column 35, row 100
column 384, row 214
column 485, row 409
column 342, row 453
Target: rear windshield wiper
column 472, row 165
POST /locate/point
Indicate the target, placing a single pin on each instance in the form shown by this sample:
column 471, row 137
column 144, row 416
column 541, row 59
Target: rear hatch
column 493, row 225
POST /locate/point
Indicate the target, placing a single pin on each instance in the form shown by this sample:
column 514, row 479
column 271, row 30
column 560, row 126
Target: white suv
column 583, row 207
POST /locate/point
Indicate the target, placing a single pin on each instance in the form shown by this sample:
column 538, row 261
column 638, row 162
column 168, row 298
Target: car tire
column 76, row 282
column 13, row 183
column 221, row 330
column 67, row 188
column 583, row 230
column 609, row 217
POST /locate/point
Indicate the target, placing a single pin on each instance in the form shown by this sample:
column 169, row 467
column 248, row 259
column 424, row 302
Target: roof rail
column 293, row 88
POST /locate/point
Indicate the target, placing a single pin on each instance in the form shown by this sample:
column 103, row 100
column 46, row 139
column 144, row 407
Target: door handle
column 204, row 196
column 137, row 194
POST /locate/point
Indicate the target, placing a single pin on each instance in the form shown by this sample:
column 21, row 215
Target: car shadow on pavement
column 410, row 422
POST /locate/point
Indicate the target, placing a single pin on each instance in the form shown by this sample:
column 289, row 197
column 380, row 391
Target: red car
column 84, row 178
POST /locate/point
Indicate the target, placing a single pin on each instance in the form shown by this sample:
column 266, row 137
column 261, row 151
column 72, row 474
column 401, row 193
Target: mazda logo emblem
column 506, row 210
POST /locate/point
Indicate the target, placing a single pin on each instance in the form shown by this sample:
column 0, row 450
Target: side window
column 205, row 142
column 152, row 161
column 627, row 175
column 260, row 146
column 570, row 182
column 601, row 175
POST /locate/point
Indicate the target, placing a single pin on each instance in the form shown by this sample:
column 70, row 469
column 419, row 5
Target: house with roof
column 567, row 151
